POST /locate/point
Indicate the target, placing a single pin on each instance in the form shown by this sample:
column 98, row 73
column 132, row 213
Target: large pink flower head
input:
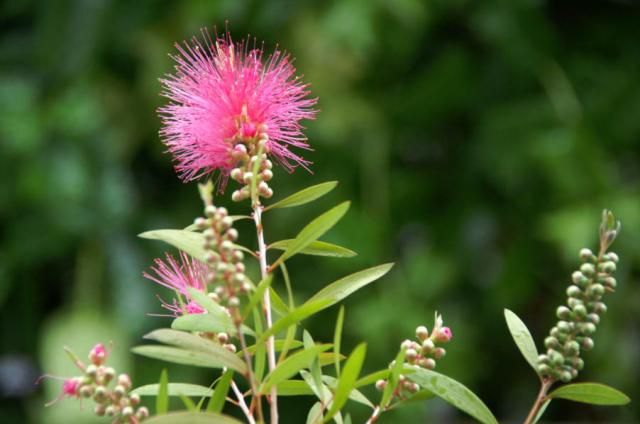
column 224, row 93
column 179, row 276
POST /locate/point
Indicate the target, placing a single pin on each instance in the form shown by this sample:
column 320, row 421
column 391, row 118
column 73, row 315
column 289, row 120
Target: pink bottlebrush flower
column 179, row 276
column 223, row 92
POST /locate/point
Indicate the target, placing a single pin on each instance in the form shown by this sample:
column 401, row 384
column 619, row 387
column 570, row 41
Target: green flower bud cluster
column 252, row 159
column 579, row 318
column 422, row 352
column 223, row 258
column 110, row 391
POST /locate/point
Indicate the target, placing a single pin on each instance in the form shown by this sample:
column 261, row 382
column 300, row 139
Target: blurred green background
column 479, row 142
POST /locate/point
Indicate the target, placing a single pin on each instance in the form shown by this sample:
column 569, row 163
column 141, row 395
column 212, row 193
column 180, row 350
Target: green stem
column 540, row 400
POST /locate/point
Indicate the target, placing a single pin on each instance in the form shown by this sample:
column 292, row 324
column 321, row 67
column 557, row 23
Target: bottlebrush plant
column 232, row 114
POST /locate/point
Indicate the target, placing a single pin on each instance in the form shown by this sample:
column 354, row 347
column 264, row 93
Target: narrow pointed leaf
column 342, row 288
column 192, row 418
column 522, row 337
column 355, row 394
column 192, row 342
column 454, row 393
column 541, row 411
column 277, row 303
column 304, row 196
column 298, row 314
column 174, row 389
column 187, row 241
column 220, row 395
column 162, row 400
column 316, row 248
column 294, row 388
column 347, row 380
column 394, row 376
column 178, row 356
column 188, row 404
column 315, row 414
column 279, row 344
column 313, row 231
column 314, row 365
column 290, row 367
column 593, row 393
column 337, row 337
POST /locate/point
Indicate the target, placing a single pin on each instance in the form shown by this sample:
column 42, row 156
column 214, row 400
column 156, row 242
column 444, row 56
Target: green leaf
column 192, row 418
column 313, row 231
column 303, row 196
column 314, row 365
column 290, row 366
column 220, row 394
column 192, row 342
column 279, row 344
column 174, row 389
column 593, row 393
column 188, row 404
column 394, row 375
column 315, row 414
column 178, row 356
column 355, row 394
column 187, row 241
column 337, row 337
column 261, row 349
column 277, row 303
column 541, row 411
column 204, row 323
column 420, row 396
column 348, row 379
column 294, row 388
column 298, row 314
column 453, row 392
column 373, row 377
column 523, row 339
column 162, row 400
column 342, row 288
column 316, row 248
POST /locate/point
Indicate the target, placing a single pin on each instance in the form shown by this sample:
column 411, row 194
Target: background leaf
column 523, row 339
column 174, row 389
column 291, row 366
column 347, row 380
column 304, row 196
column 593, row 393
column 192, row 418
column 314, row 230
column 162, row 400
column 453, row 392
column 316, row 248
column 178, row 356
column 187, row 241
column 220, row 395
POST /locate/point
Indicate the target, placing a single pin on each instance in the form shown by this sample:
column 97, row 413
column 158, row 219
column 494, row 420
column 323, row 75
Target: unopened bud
column 98, row 354
column 266, row 175
column 564, row 326
column 210, row 211
column 111, row 410
column 587, row 344
column 586, row 255
column 439, row 352
column 571, row 348
column 125, row 381
column 119, row 391
column 86, row 391
column 427, row 363
column 587, row 328
column 232, row 234
column 594, row 318
column 596, row 290
column 127, row 412
column 91, row 371
column 142, row 413
column 599, row 308
column 381, row 384
column 613, row 257
column 551, row 343
column 108, row 374
column 574, row 291
column 427, row 345
column 565, row 376
column 99, row 410
column 563, row 312
column 230, row 347
column 100, row 394
column 587, row 269
column 411, row 355
column 236, row 174
column 580, row 310
column 609, row 267
column 134, row 399
column 577, row 277
column 422, row 333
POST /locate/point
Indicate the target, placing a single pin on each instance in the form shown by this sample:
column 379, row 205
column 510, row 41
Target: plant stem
column 271, row 351
column 540, row 400
column 250, row 376
column 374, row 416
column 242, row 404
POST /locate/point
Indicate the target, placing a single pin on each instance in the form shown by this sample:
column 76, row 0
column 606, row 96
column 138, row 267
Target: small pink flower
column 223, row 92
column 179, row 276
column 70, row 387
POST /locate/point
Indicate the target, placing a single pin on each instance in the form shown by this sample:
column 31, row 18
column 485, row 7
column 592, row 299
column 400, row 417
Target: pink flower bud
column 443, row 335
column 249, row 130
column 70, row 387
column 98, row 354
